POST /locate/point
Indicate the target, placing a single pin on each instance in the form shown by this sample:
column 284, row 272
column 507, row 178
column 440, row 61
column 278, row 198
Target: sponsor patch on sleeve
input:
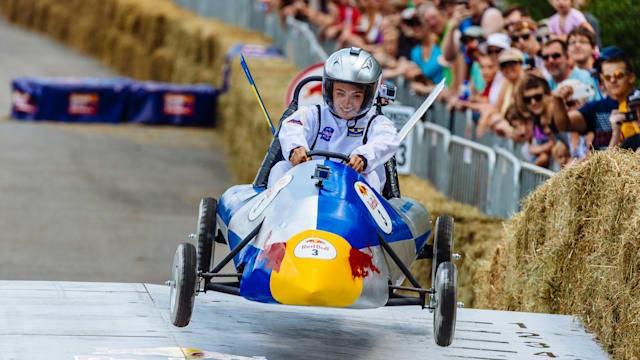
column 355, row 131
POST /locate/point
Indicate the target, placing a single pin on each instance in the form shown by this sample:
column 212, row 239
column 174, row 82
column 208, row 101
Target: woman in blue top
column 426, row 56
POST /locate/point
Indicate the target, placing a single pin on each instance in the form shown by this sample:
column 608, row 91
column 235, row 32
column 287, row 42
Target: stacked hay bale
column 157, row 40
column 575, row 249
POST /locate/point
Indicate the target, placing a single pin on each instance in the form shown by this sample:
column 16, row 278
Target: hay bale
column 41, row 15
column 58, row 22
column 575, row 249
column 162, row 61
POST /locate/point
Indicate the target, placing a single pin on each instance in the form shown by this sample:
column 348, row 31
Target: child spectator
column 521, row 124
column 560, row 153
column 566, row 18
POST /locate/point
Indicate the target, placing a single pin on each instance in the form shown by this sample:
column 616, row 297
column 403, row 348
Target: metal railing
column 531, row 176
column 493, row 179
column 505, row 184
column 470, row 168
column 432, row 155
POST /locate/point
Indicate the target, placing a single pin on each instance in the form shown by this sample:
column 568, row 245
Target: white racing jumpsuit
column 316, row 128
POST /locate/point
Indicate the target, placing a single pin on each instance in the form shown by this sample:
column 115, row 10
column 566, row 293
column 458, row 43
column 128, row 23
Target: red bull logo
column 179, row 104
column 83, row 104
column 315, row 248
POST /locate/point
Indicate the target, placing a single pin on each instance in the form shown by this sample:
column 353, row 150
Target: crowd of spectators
column 548, row 84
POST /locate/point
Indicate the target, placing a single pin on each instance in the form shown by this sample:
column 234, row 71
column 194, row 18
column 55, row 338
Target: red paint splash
column 361, row 263
column 274, row 255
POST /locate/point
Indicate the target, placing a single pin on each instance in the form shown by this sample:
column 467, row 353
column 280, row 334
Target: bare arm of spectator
column 404, row 68
column 616, row 118
column 542, row 148
column 492, row 21
column 449, row 45
column 421, row 88
column 567, row 120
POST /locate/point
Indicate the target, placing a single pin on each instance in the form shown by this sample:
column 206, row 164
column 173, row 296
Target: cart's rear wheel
column 183, row 284
column 444, row 315
column 206, row 232
column 442, row 243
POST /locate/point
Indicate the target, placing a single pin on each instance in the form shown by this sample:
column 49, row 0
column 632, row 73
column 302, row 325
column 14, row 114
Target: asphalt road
column 94, row 202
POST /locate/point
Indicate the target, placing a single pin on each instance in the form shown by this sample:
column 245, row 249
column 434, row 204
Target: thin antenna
column 245, row 67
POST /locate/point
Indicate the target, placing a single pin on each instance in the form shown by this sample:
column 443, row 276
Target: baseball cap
column 499, row 40
column 511, row 55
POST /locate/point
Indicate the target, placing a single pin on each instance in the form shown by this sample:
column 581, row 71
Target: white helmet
column 354, row 66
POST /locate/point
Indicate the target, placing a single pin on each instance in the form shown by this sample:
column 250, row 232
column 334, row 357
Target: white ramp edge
column 115, row 321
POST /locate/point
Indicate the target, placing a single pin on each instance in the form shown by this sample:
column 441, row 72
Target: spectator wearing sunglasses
column 625, row 125
column 511, row 68
column 616, row 73
column 534, row 98
column 523, row 38
column 556, row 61
column 495, row 45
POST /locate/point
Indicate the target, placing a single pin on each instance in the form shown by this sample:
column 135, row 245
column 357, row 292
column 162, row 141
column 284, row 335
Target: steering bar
column 328, row 155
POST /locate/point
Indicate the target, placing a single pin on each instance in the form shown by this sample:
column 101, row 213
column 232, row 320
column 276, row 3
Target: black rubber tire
column 183, row 284
column 444, row 314
column 442, row 243
column 206, row 232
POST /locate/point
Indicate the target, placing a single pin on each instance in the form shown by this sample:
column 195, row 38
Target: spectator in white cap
column 495, row 45
column 511, row 68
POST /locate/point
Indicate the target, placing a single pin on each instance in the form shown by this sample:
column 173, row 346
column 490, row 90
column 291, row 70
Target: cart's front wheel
column 206, row 232
column 442, row 244
column 183, row 284
column 444, row 315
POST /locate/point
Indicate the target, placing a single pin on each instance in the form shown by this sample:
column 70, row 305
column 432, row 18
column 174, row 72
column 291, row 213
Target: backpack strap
column 319, row 126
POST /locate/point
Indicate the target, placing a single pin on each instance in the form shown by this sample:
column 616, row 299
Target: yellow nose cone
column 315, row 271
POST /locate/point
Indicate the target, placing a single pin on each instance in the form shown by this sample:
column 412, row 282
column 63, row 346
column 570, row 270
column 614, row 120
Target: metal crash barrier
column 494, row 180
column 505, row 184
column 433, row 155
column 531, row 177
column 470, row 168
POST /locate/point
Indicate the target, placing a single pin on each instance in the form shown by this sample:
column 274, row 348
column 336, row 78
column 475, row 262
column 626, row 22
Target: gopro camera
column 321, row 174
column 387, row 92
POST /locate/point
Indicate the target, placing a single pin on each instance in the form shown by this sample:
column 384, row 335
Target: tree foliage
column 619, row 22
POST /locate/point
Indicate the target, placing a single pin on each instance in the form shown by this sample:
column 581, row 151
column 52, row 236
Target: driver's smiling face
column 347, row 99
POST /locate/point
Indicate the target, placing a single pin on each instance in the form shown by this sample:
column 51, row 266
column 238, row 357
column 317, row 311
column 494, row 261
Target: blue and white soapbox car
column 320, row 237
